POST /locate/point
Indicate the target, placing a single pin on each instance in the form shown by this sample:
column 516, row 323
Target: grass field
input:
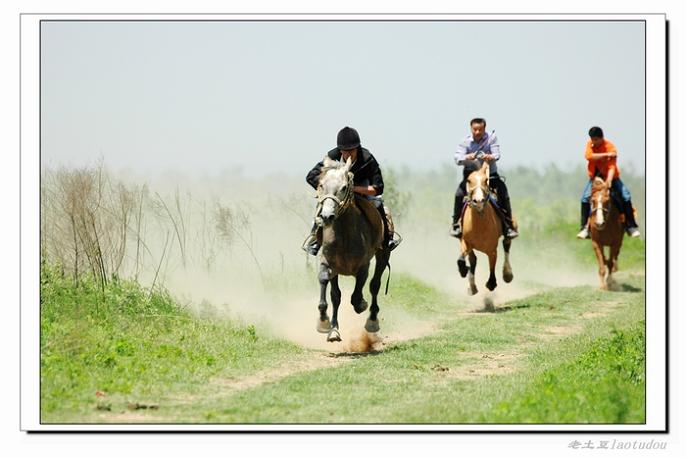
column 569, row 355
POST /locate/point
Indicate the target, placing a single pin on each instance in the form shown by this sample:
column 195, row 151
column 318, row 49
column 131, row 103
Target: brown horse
column 481, row 229
column 606, row 231
column 352, row 235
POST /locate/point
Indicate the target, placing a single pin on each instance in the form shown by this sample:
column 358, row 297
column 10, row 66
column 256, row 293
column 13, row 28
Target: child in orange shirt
column 601, row 155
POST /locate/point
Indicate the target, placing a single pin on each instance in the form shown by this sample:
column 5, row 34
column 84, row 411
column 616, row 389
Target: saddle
column 619, row 203
column 372, row 214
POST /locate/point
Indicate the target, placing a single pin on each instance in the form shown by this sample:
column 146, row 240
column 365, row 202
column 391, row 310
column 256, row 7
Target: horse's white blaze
column 599, row 218
column 328, row 208
column 478, row 194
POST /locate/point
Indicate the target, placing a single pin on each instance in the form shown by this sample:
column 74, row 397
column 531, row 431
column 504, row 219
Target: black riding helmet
column 348, row 138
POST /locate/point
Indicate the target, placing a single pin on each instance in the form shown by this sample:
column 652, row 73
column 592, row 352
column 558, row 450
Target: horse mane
column 330, row 164
column 598, row 184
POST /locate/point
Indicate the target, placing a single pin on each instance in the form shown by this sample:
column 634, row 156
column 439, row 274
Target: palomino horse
column 606, row 230
column 481, row 229
column 352, row 235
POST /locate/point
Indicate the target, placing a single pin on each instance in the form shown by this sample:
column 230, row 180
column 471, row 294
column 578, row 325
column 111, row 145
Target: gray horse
column 352, row 235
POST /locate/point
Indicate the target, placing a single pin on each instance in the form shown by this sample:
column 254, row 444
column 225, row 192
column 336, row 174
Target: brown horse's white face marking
column 599, row 216
column 600, row 203
column 477, row 188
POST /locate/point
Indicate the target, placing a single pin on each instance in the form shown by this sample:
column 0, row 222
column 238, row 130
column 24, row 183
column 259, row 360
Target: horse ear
column 485, row 168
column 348, row 164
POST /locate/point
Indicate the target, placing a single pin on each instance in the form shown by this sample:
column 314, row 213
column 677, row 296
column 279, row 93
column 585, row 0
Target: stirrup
column 511, row 233
column 393, row 243
column 633, row 232
column 583, row 233
column 311, row 246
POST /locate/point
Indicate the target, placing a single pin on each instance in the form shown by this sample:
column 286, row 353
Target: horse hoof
column 334, row 336
column 472, row 290
column 361, row 307
column 323, row 326
column 491, row 286
column 371, row 325
column 508, row 277
column 462, row 267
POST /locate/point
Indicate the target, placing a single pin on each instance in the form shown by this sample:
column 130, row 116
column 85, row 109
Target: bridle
column 487, row 194
column 342, row 204
column 605, row 209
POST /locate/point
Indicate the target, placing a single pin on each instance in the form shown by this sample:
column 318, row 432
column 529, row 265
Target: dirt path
column 467, row 366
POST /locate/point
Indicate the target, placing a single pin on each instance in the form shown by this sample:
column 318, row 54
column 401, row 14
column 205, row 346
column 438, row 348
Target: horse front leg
column 334, row 334
column 357, row 299
column 612, row 265
column 492, row 257
column 461, row 261
column 323, row 324
column 372, row 324
column 602, row 269
column 614, row 254
column 507, row 269
column 472, row 268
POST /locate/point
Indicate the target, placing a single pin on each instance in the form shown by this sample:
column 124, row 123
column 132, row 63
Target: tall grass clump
column 85, row 222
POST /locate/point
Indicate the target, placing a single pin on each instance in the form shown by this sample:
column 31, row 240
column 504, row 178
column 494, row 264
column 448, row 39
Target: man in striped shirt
column 476, row 148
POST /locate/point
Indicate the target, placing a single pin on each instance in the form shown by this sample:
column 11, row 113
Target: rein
column 605, row 209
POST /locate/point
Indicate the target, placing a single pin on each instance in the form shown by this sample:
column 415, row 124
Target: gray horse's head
column 335, row 188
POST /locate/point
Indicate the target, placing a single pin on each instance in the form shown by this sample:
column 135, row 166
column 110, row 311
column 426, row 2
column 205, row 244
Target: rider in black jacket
column 367, row 181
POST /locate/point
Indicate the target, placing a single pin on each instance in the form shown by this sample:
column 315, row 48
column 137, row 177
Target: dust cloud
column 229, row 247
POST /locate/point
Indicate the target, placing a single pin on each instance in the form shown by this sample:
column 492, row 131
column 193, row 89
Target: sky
column 269, row 97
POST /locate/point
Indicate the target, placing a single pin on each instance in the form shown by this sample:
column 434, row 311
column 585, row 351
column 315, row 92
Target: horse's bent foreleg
column 334, row 334
column 601, row 264
column 323, row 324
column 507, row 269
column 612, row 264
column 357, row 299
column 614, row 254
column 472, row 268
column 372, row 324
column 461, row 262
column 491, row 283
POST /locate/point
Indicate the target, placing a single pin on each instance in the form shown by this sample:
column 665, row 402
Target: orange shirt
column 603, row 166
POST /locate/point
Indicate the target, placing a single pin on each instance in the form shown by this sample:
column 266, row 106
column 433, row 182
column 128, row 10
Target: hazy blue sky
column 271, row 96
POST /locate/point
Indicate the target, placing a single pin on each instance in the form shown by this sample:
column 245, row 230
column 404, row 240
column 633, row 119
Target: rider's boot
column 456, row 228
column 585, row 213
column 311, row 244
column 510, row 232
column 630, row 221
column 389, row 229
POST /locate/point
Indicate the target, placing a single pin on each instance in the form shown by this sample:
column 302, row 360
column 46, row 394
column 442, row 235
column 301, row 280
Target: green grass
column 605, row 384
column 141, row 347
column 134, row 346
column 416, row 381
